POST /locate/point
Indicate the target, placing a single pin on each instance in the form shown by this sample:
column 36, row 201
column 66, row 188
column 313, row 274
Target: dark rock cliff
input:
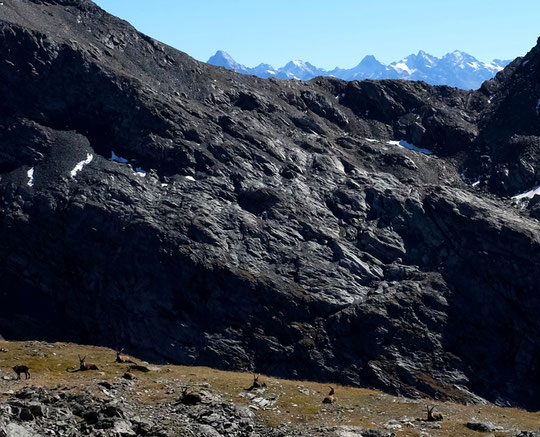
column 259, row 224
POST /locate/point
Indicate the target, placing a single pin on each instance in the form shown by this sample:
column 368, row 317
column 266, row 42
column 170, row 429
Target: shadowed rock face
column 259, row 224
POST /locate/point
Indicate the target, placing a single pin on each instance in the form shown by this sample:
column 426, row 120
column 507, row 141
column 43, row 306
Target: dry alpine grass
column 298, row 403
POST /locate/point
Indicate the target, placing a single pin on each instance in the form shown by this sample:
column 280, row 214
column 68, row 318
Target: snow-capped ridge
column 223, row 59
column 458, row 69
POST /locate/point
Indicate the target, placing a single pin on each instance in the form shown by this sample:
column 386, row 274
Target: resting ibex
column 330, row 399
column 128, row 375
column 122, row 358
column 83, row 367
column 256, row 383
column 20, row 369
column 190, row 398
column 433, row 416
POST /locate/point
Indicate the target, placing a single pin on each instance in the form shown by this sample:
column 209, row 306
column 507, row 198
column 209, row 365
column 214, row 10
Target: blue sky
column 335, row 33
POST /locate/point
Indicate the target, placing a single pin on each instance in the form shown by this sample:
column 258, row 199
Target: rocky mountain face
column 457, row 69
column 360, row 232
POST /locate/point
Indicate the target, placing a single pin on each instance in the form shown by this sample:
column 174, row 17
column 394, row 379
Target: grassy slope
column 354, row 406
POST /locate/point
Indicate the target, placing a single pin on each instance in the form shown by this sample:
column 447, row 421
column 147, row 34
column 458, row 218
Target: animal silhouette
column 20, row 369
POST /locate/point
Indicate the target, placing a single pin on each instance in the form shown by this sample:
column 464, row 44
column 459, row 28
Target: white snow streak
column 30, row 174
column 528, row 194
column 81, row 164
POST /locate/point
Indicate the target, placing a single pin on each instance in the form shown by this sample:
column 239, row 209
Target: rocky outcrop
column 112, row 409
column 324, row 230
column 36, row 411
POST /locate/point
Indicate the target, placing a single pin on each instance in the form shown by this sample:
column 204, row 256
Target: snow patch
column 371, row 140
column 403, row 67
column 116, row 158
column 493, row 67
column 525, row 63
column 30, row 174
column 190, row 178
column 528, row 194
column 81, row 164
column 406, row 145
column 140, row 172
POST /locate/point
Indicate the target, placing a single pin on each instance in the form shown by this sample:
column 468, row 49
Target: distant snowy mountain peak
column 458, row 69
column 223, row 59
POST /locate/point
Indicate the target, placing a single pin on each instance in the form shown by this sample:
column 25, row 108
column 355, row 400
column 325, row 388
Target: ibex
column 330, row 399
column 190, row 398
column 433, row 416
column 256, row 383
column 83, row 367
column 19, row 370
column 122, row 358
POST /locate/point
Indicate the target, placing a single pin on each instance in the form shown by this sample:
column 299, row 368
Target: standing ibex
column 330, row 399
column 433, row 416
column 20, row 369
column 83, row 367
column 256, row 383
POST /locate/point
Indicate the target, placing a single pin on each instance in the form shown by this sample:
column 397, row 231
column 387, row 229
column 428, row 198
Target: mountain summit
column 456, row 69
column 373, row 233
column 223, row 59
